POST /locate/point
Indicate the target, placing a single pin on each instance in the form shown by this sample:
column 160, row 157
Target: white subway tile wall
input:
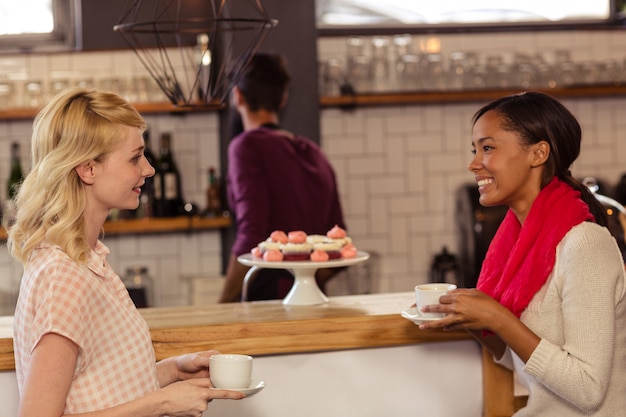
column 398, row 167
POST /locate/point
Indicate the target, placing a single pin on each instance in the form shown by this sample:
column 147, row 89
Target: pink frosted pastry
column 279, row 236
column 268, row 245
column 348, row 251
column 331, row 247
column 273, row 255
column 336, row 233
column 256, row 252
column 297, row 236
column 313, row 239
column 296, row 251
column 319, row 255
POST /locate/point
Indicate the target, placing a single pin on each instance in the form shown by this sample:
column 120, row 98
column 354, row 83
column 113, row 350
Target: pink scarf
column 521, row 257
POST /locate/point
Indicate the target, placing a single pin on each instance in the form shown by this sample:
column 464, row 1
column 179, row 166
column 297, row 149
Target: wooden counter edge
column 282, row 337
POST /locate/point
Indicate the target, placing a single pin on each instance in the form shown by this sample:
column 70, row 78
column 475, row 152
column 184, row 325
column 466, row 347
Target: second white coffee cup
column 230, row 371
column 428, row 294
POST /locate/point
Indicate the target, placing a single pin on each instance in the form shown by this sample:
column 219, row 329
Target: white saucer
column 413, row 315
column 254, row 387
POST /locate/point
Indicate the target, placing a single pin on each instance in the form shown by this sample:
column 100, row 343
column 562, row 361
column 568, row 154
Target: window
column 462, row 14
column 38, row 25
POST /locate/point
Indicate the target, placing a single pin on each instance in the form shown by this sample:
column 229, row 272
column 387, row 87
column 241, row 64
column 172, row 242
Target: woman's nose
column 474, row 163
column 149, row 171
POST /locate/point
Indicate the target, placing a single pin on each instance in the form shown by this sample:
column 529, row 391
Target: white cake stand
column 305, row 290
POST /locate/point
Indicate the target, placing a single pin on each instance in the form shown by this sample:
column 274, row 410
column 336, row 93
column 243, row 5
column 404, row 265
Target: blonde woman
column 81, row 347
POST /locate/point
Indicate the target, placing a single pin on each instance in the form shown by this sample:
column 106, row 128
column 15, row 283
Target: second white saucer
column 413, row 315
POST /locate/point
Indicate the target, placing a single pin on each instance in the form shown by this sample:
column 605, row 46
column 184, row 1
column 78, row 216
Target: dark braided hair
column 536, row 117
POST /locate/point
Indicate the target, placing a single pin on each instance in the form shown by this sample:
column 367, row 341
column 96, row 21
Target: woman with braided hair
column 549, row 301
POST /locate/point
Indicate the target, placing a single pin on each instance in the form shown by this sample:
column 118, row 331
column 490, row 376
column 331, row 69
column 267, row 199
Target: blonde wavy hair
column 76, row 126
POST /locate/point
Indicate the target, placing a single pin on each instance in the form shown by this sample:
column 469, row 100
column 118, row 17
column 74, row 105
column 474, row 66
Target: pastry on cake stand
column 305, row 290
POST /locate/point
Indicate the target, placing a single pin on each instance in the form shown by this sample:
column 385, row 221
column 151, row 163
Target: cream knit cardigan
column 579, row 366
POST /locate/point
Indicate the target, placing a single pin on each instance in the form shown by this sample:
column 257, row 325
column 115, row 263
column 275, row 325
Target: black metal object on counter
column 476, row 226
column 445, row 267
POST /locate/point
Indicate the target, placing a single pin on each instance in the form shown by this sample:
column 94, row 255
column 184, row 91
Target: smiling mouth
column 484, row 182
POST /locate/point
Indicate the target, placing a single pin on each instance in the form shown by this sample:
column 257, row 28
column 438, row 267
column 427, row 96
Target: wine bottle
column 16, row 175
column 146, row 201
column 213, row 203
column 169, row 183
column 13, row 183
column 158, row 206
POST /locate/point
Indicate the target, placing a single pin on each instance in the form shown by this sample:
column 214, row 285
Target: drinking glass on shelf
column 587, row 73
column 403, row 62
column 142, row 89
column 435, row 75
column 477, row 79
column 58, row 85
column 566, row 74
column 409, row 72
column 110, row 84
column 356, row 46
column 379, row 64
column 155, row 92
column 7, row 95
column 523, row 75
column 495, row 74
column 358, row 64
column 457, row 71
column 84, row 83
column 562, row 55
column 472, row 60
column 33, row 94
column 333, row 77
column 608, row 72
column 359, row 73
column 545, row 76
column 403, row 45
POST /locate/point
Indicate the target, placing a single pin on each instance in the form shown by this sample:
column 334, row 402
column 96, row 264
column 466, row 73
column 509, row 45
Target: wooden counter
column 268, row 327
column 262, row 328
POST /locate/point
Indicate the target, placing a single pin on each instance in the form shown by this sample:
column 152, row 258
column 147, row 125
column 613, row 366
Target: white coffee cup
column 428, row 294
column 230, row 371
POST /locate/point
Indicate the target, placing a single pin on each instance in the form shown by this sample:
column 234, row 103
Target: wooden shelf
column 373, row 99
column 165, row 225
column 143, row 108
column 435, row 97
column 158, row 225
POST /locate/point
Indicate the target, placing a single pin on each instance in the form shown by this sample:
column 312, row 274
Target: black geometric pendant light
column 195, row 49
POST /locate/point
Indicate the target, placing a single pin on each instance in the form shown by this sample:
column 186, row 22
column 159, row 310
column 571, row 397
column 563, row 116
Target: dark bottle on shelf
column 167, row 185
column 158, row 206
column 15, row 178
column 213, row 203
column 146, row 201
column 16, row 175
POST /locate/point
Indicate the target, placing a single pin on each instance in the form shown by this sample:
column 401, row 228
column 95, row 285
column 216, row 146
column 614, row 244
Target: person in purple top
column 277, row 180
